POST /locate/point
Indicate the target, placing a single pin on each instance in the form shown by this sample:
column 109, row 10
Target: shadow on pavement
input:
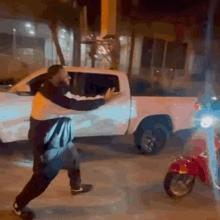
column 100, row 148
column 184, row 135
column 72, row 211
column 154, row 196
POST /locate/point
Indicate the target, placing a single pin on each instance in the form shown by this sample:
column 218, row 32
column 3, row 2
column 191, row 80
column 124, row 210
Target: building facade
column 26, row 46
column 163, row 52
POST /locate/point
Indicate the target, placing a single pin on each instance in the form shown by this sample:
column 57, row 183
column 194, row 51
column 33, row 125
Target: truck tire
column 151, row 140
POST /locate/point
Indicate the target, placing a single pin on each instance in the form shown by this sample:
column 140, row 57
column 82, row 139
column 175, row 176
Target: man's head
column 58, row 75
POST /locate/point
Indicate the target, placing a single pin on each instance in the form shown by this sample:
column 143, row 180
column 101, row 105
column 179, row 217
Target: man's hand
column 110, row 95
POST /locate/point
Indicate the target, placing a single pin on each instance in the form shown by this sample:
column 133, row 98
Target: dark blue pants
column 46, row 167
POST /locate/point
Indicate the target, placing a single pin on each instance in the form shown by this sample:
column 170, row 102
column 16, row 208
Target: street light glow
column 28, row 25
column 31, row 32
column 207, row 121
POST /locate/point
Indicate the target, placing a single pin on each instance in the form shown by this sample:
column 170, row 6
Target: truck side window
column 98, row 84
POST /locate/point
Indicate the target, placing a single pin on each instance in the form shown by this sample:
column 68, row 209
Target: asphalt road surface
column 127, row 184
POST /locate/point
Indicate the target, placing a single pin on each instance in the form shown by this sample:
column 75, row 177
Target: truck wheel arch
column 146, row 135
column 151, row 121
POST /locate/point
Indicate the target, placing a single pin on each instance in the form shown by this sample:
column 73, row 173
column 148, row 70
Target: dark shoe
column 24, row 213
column 83, row 189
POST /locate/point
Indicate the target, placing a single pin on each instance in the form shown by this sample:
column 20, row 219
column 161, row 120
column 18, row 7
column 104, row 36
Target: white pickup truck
column 150, row 118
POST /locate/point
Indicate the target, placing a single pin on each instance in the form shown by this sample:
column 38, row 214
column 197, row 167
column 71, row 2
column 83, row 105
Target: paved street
column 127, row 184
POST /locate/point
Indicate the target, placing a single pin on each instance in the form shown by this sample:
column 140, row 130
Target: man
column 52, row 133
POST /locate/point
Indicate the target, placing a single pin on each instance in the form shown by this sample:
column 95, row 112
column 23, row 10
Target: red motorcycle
column 180, row 179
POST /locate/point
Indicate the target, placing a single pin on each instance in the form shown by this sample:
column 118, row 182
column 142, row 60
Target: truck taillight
column 197, row 106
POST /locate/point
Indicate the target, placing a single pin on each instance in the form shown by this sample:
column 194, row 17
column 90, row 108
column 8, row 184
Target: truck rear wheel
column 151, row 140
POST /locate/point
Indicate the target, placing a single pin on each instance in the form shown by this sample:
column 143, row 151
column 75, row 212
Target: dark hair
column 53, row 70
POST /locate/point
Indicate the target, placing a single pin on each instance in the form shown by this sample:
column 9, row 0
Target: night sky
column 146, row 7
column 168, row 5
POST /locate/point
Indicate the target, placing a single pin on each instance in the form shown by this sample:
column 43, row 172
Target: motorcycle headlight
column 207, row 121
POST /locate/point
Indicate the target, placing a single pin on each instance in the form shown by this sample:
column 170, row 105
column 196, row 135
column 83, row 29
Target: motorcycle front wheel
column 178, row 185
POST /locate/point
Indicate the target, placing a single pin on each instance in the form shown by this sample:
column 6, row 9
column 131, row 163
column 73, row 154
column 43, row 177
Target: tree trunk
column 39, row 52
column 53, row 28
column 93, row 50
column 77, row 47
column 77, row 41
column 131, row 53
column 116, row 49
column 115, row 54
